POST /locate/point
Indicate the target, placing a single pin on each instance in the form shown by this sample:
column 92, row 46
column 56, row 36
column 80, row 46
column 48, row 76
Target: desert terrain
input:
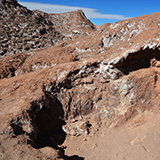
column 72, row 90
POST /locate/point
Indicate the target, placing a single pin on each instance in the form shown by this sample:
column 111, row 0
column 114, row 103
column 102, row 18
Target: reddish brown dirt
column 137, row 139
column 93, row 94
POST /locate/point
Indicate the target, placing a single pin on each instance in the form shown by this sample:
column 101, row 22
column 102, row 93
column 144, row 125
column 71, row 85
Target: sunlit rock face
column 60, row 75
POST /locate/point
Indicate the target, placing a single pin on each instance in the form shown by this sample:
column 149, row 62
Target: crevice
column 17, row 129
column 47, row 120
column 156, row 78
column 41, row 125
column 70, row 78
column 138, row 60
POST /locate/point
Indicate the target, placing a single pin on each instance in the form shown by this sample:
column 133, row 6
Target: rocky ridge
column 71, row 24
column 23, row 30
column 78, row 86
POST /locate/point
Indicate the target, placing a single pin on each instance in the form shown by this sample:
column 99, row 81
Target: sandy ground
column 138, row 139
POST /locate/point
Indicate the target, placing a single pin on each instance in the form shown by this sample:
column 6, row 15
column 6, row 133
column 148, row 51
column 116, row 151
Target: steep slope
column 23, row 30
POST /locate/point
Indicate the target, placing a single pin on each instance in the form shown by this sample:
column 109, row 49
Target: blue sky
column 99, row 11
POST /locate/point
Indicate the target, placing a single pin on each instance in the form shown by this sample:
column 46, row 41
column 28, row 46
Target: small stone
column 138, row 139
column 95, row 146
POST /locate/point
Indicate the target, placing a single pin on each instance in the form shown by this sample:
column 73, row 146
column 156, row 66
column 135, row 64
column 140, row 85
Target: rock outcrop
column 23, row 30
column 71, row 24
column 97, row 76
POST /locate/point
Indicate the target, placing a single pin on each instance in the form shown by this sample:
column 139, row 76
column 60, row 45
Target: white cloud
column 90, row 12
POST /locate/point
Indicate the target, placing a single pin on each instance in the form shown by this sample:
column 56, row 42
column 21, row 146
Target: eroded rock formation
column 94, row 76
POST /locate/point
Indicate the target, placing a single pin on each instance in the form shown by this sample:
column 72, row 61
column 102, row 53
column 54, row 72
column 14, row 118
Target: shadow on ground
column 74, row 157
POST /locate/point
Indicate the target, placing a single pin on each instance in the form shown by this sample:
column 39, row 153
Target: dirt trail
column 139, row 139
